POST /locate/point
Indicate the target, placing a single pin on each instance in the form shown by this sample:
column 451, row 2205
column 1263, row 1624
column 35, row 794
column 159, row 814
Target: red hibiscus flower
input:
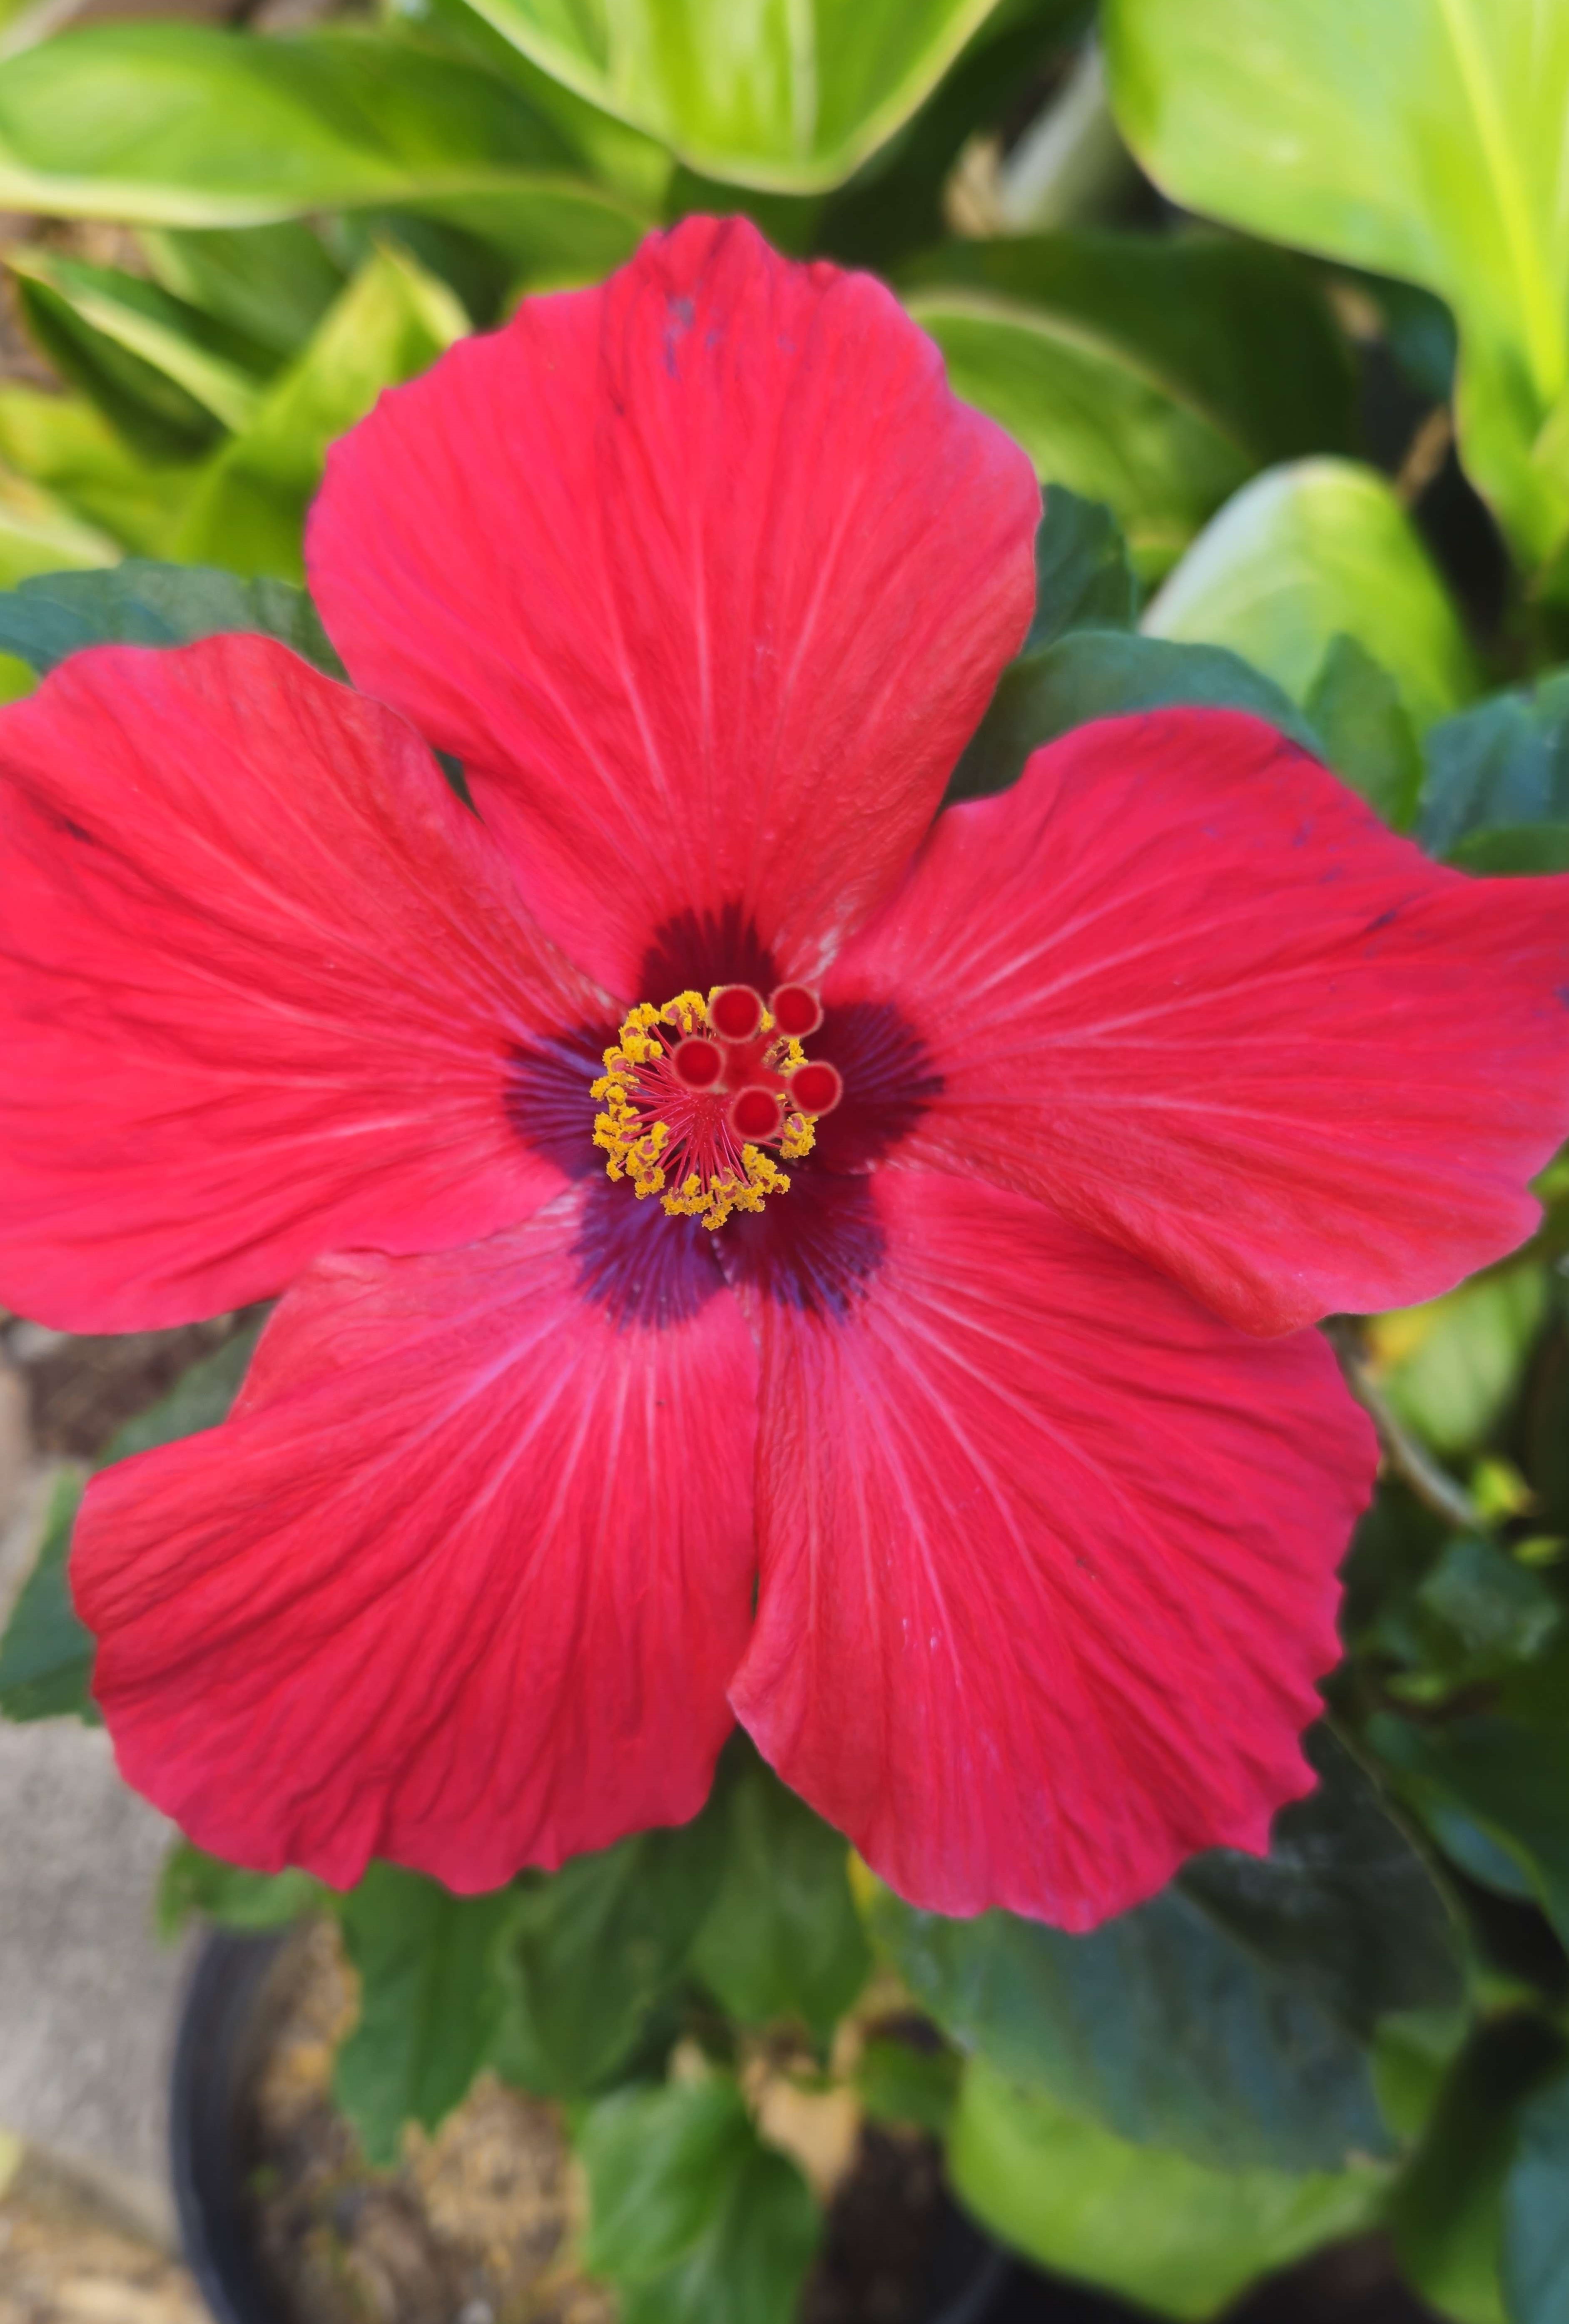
column 897, row 1344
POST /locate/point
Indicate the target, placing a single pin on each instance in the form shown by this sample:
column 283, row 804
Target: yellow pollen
column 654, row 1129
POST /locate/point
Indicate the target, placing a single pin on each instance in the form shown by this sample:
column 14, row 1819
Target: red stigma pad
column 755, row 1113
column 797, row 1010
column 697, row 1063
column 736, row 1012
column 816, row 1087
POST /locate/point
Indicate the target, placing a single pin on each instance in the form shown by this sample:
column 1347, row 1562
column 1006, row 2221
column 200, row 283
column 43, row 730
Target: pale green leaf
column 1308, row 551
column 1154, row 2227
column 61, row 443
column 247, row 510
column 1089, row 416
column 786, row 94
column 1417, row 138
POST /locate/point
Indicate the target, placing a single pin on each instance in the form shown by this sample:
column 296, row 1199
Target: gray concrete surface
column 87, row 1995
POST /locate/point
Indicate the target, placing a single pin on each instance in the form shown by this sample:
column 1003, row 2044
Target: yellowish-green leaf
column 1090, row 417
column 785, row 94
column 1308, row 551
column 60, row 442
column 1167, row 2233
column 249, row 507
column 1424, row 139
column 39, row 534
column 146, row 323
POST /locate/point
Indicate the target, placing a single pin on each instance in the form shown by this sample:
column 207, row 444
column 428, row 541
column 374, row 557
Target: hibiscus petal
column 462, row 1582
column 705, row 574
column 1182, row 983
column 1048, row 1559
column 262, row 979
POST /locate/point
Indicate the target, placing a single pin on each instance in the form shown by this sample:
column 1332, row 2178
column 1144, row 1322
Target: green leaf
column 1156, row 2227
column 39, row 534
column 147, row 361
column 1102, row 674
column 62, row 443
column 142, row 603
column 1088, row 416
column 46, row 1654
column 1501, row 1611
column 1514, row 848
column 1083, row 580
column 273, row 282
column 1369, row 738
column 193, row 1884
column 692, row 2218
column 1240, row 332
column 899, row 2083
column 140, row 122
column 598, row 1952
column 431, row 2001
column 1503, row 764
column 1510, row 1779
column 1423, row 139
column 1451, row 1367
column 782, row 1939
column 1306, row 552
column 786, row 94
column 1447, row 2212
column 1227, row 2019
column 1536, row 2267
column 248, row 509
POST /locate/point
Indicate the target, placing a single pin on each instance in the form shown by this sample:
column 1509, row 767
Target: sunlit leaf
column 1155, row 2226
column 1241, row 333
column 273, row 282
column 1417, row 138
column 61, row 443
column 791, row 94
column 1089, row 416
column 184, row 125
column 1305, row 553
column 247, row 510
column 1450, row 1366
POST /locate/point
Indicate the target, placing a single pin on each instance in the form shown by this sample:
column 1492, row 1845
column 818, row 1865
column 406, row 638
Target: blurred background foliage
column 1277, row 298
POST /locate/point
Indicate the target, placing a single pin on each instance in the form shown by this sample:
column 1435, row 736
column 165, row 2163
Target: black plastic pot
column 231, row 2007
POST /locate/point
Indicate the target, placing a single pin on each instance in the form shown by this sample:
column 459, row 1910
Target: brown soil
column 480, row 2223
column 64, row 2260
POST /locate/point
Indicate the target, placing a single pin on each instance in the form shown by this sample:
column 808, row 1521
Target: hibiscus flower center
column 698, row 1097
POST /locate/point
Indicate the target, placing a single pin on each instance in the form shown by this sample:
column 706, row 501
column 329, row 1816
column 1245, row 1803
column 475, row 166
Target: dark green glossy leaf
column 144, row 604
column 1083, row 580
column 1511, row 1778
column 782, row 1937
column 1227, row 2019
column 1102, row 674
column 1501, row 1611
column 690, row 2216
column 193, row 1884
column 1500, row 766
column 1514, row 848
column 1537, row 2211
column 46, row 1654
column 431, row 2001
column 1239, row 331
column 1156, row 2227
column 598, row 1949
column 1369, row 737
